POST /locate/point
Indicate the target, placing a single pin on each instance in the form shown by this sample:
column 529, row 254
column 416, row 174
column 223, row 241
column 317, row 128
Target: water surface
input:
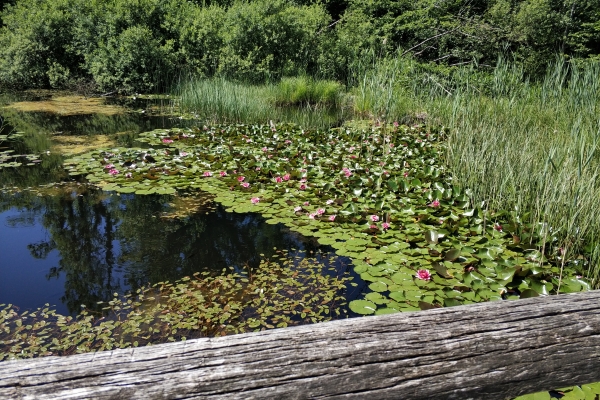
column 70, row 245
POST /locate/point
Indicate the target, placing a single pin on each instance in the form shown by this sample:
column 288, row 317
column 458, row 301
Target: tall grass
column 530, row 148
column 219, row 100
column 304, row 90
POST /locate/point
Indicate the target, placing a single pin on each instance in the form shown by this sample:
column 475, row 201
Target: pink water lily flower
column 332, row 218
column 109, row 166
column 374, row 218
column 302, row 186
column 223, row 173
column 245, row 184
column 311, row 216
column 278, row 179
column 321, row 211
column 264, row 149
column 424, row 274
column 207, row 173
column 328, row 202
column 373, row 227
column 286, row 177
column 128, row 175
column 165, row 140
column 385, row 226
column 435, row 203
column 255, row 200
column 113, row 171
column 297, row 209
column 306, row 203
column 241, row 178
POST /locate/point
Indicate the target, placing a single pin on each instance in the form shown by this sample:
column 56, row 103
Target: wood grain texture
column 481, row 351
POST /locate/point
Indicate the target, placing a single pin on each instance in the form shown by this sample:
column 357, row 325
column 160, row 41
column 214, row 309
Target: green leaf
column 431, row 237
column 535, row 396
column 378, row 287
column 452, row 255
column 363, row 307
column 386, row 310
column 527, row 293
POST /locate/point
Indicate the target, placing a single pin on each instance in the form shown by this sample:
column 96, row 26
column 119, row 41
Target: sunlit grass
column 221, row 101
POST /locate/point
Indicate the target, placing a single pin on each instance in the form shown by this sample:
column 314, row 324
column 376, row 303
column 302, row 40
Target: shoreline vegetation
column 511, row 89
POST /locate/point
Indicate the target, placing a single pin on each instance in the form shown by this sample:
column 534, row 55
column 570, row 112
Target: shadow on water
column 70, row 245
column 95, row 244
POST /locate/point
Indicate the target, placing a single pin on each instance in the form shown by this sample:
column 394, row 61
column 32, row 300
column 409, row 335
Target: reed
column 218, row 100
column 528, row 148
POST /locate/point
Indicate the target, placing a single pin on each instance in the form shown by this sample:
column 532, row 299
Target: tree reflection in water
column 114, row 243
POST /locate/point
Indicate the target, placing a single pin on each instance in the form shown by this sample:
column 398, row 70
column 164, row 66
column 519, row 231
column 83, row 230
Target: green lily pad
column 362, row 307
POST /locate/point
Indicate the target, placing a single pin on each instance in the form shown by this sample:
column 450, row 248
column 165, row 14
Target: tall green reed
column 223, row 101
column 532, row 148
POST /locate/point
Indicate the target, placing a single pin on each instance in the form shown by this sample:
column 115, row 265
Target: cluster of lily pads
column 10, row 158
column 283, row 291
column 380, row 196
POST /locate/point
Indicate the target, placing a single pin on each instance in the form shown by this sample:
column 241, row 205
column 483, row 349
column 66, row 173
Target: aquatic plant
column 282, row 291
column 9, row 157
column 339, row 186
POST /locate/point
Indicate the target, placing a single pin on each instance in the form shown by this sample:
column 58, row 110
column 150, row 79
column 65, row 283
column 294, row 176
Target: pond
column 105, row 201
column 70, row 244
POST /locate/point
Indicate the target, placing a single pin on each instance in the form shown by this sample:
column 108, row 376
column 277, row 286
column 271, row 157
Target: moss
column 69, row 105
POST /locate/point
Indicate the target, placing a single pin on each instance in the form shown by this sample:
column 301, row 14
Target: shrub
column 264, row 40
column 130, row 62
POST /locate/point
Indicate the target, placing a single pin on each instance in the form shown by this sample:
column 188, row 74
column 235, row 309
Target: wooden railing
column 481, row 351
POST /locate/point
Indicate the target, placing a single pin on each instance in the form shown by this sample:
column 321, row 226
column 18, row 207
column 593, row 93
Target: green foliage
column 454, row 33
column 218, row 100
column 56, row 43
column 130, row 61
column 264, row 40
column 546, row 172
column 137, row 46
column 582, row 392
column 279, row 293
column 303, row 90
column 379, row 196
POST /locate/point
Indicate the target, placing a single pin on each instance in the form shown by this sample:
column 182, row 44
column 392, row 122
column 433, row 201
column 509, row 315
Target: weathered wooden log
column 485, row 351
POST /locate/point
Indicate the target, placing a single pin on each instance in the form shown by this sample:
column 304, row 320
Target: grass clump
column 276, row 294
column 303, row 90
column 221, row 101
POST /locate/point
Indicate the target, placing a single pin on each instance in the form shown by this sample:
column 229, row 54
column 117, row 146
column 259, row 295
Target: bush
column 133, row 61
column 264, row 40
column 34, row 44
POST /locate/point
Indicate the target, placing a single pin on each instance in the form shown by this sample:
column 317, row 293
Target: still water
column 70, row 245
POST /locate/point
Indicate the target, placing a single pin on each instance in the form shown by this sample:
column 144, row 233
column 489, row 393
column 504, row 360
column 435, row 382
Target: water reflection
column 71, row 245
column 98, row 244
column 40, row 132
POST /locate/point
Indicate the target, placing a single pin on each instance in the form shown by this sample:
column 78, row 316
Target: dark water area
column 70, row 245
column 80, row 247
